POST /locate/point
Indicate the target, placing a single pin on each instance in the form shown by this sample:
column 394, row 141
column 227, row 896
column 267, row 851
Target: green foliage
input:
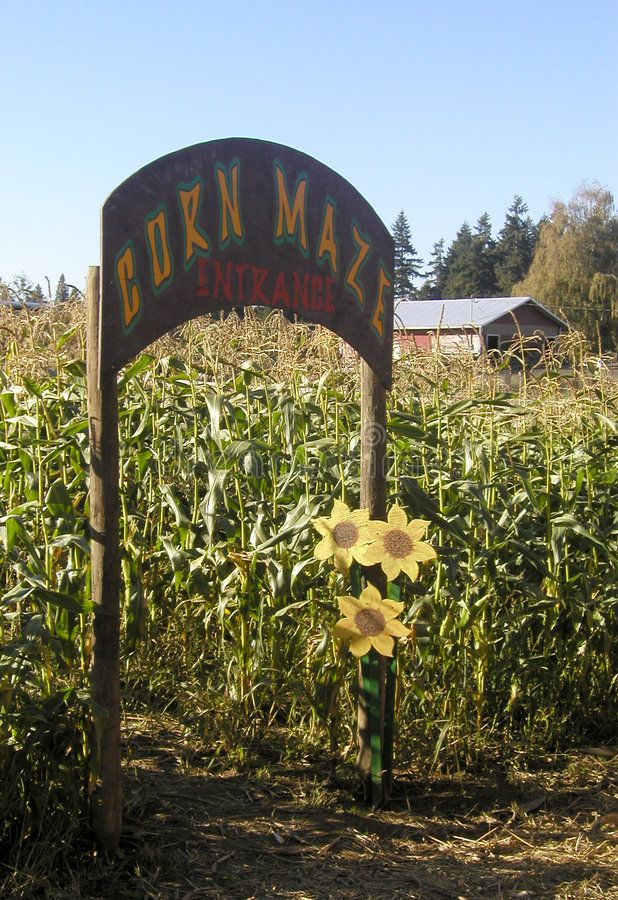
column 62, row 290
column 603, row 310
column 485, row 254
column 576, row 251
column 461, row 265
column 515, row 247
column 469, row 267
column 476, row 265
column 226, row 456
column 435, row 286
column 20, row 290
column 408, row 265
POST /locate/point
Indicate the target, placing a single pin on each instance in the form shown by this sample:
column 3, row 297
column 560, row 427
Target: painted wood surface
column 239, row 222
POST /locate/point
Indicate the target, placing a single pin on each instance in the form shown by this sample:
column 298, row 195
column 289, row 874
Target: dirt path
column 284, row 832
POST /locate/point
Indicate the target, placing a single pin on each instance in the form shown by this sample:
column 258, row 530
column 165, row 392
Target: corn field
column 235, row 434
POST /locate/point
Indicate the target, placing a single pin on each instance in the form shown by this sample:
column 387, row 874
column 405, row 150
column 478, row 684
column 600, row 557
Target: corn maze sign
column 218, row 226
column 241, row 222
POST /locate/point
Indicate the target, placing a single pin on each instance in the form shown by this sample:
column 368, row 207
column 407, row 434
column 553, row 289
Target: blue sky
column 444, row 109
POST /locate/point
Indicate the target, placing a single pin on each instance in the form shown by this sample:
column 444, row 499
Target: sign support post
column 371, row 734
column 105, row 771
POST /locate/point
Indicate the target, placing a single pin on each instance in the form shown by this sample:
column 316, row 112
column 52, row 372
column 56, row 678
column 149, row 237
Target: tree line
column 568, row 261
column 21, row 290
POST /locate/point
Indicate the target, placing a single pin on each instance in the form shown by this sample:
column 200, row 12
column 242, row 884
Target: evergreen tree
column 461, row 275
column 515, row 248
column 408, row 264
column 435, row 285
column 485, row 259
column 62, row 291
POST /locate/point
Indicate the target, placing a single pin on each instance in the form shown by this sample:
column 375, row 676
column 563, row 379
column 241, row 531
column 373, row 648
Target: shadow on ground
column 286, row 831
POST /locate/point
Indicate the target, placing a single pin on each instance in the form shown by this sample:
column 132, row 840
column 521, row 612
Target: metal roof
column 476, row 312
column 20, row 304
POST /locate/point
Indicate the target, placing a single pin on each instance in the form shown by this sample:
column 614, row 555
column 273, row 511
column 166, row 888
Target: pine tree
column 485, row 258
column 515, row 248
column 435, row 285
column 62, row 291
column 408, row 264
column 461, row 278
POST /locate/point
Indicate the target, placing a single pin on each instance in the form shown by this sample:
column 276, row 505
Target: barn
column 475, row 324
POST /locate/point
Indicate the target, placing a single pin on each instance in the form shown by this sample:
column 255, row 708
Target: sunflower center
column 369, row 622
column 397, row 543
column 345, row 534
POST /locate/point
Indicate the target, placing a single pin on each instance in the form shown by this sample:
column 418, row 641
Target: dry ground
column 286, row 831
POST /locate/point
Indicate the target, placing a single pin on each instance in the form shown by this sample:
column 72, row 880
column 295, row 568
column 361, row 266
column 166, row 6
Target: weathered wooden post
column 105, row 772
column 377, row 787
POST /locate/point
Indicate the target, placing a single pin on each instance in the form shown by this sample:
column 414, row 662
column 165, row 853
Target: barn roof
column 429, row 315
column 20, row 304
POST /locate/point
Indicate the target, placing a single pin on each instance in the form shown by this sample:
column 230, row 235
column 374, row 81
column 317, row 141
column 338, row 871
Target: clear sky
column 444, row 109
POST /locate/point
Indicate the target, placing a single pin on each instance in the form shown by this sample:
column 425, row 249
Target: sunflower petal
column 391, row 567
column 342, row 558
column 358, row 552
column 340, row 511
column 349, row 606
column 422, row 551
column 346, row 630
column 321, row 525
column 375, row 529
column 363, row 537
column 359, row 516
column 360, row 645
column 373, row 553
column 371, row 596
column 324, row 548
column 390, row 609
column 395, row 605
column 396, row 628
column 417, row 527
column 383, row 643
column 410, row 567
column 397, row 517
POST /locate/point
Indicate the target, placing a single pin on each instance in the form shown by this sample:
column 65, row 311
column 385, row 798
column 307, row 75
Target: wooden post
column 373, row 497
column 105, row 772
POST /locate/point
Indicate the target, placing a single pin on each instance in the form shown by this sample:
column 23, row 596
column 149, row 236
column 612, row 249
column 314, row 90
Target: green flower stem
column 377, row 680
column 389, row 704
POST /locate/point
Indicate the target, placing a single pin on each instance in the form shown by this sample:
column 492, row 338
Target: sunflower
column 344, row 535
column 369, row 622
column 396, row 544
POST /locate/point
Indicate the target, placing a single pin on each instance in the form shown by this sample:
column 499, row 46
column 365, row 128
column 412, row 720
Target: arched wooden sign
column 218, row 226
column 241, row 222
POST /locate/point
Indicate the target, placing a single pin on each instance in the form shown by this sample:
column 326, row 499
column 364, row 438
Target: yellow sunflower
column 396, row 544
column 369, row 622
column 343, row 535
